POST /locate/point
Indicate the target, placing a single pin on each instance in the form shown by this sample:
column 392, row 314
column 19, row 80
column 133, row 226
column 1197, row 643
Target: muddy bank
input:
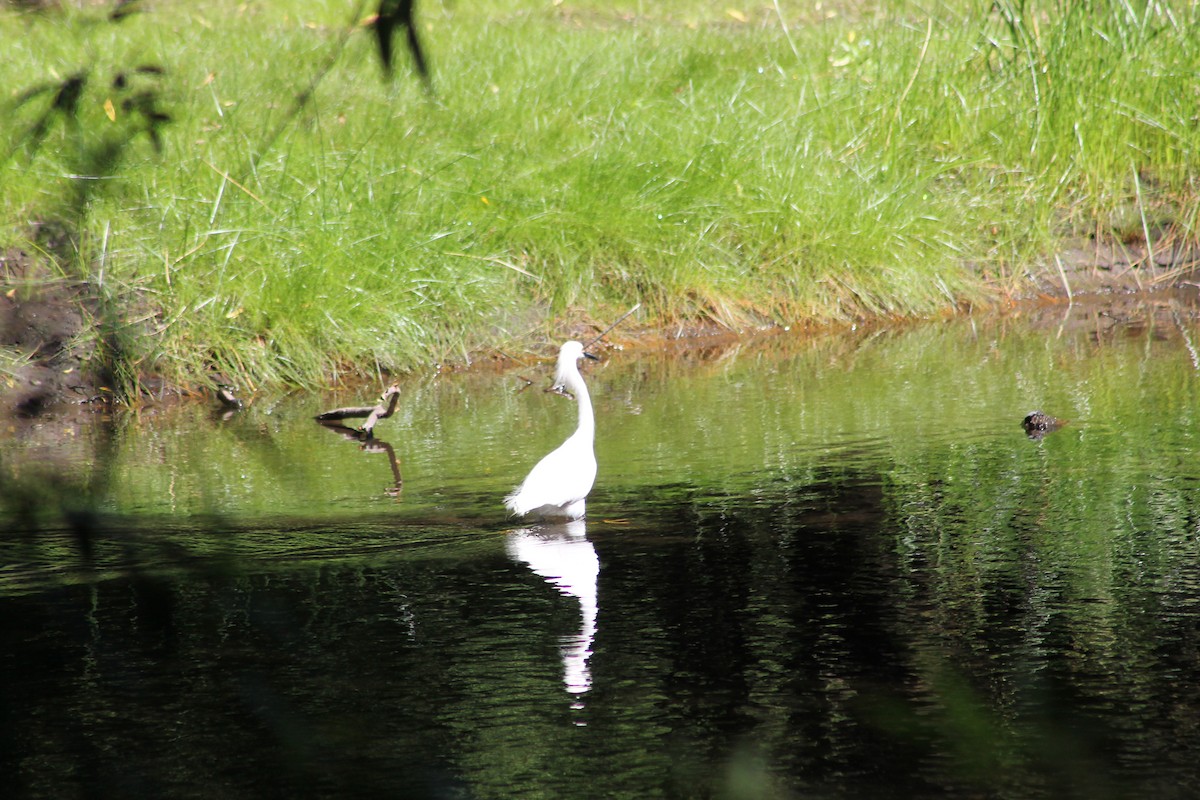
column 46, row 342
column 54, row 353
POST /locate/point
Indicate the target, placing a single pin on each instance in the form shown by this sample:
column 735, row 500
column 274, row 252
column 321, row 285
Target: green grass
column 700, row 158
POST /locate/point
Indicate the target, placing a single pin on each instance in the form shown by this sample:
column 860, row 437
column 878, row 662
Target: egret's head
column 567, row 371
column 570, row 352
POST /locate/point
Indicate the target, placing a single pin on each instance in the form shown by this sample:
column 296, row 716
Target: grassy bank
column 739, row 164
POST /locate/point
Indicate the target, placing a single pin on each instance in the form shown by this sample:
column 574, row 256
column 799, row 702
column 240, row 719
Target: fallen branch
column 372, row 413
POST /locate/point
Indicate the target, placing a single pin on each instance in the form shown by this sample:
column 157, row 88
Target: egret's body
column 557, row 487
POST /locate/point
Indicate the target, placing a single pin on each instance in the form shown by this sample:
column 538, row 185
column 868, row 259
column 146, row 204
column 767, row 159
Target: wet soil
column 47, row 346
column 50, row 343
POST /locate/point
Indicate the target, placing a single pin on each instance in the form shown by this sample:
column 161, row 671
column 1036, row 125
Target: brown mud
column 47, row 352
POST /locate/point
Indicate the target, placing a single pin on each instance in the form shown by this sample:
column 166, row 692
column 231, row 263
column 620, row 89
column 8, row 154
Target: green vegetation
column 742, row 164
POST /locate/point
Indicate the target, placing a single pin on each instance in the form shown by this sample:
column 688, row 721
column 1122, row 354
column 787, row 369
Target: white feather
column 558, row 485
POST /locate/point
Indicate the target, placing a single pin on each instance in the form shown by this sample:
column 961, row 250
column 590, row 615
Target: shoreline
column 49, row 329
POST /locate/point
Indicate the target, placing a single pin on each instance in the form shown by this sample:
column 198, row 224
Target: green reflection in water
column 937, row 403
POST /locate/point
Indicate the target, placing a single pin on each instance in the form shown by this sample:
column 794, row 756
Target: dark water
column 829, row 568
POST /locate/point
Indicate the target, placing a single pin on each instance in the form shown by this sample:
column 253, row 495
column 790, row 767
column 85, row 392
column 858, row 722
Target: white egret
column 558, row 485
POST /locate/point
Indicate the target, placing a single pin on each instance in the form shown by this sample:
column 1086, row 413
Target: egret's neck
column 587, row 422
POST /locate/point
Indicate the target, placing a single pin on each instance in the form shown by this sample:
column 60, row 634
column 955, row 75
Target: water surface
column 834, row 567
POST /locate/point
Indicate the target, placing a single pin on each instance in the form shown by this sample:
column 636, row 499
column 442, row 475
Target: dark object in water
column 372, row 413
column 1037, row 424
column 229, row 404
column 228, row 399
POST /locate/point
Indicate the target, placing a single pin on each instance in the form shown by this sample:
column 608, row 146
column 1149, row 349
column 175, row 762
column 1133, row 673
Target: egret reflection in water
column 563, row 556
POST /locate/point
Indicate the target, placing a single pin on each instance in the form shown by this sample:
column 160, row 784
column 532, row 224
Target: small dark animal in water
column 1037, row 424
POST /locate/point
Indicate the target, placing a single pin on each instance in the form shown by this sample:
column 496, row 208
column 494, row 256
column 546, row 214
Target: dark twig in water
column 372, row 413
column 620, row 319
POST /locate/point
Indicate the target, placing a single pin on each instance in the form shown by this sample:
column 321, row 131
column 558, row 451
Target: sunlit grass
column 742, row 165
